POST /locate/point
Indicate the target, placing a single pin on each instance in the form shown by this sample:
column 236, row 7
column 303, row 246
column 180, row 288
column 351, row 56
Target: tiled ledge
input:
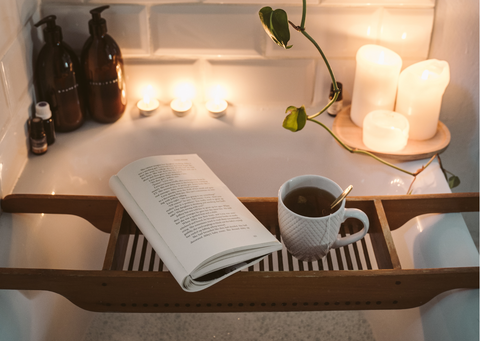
column 205, row 44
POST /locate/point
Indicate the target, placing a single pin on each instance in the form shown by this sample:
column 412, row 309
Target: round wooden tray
column 352, row 135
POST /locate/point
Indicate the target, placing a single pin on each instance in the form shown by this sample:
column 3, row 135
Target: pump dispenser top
column 52, row 32
column 102, row 63
column 97, row 23
column 59, row 78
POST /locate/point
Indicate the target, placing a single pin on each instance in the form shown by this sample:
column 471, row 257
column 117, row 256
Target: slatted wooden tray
column 364, row 275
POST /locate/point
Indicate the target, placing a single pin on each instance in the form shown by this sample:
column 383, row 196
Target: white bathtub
column 253, row 155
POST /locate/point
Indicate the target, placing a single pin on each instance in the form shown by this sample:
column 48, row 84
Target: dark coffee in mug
column 310, row 202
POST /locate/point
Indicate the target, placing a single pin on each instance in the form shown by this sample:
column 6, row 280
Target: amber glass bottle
column 58, row 78
column 103, row 68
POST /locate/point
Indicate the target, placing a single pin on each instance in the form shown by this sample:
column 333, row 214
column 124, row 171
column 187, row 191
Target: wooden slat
column 382, row 250
column 143, row 254
column 113, row 240
column 126, row 229
column 400, row 209
column 391, row 252
column 133, row 251
column 151, row 265
column 356, row 254
column 346, row 251
column 122, row 291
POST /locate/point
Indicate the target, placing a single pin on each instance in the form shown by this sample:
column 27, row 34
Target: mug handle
column 360, row 215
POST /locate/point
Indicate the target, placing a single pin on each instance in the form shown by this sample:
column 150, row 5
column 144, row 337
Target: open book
column 199, row 229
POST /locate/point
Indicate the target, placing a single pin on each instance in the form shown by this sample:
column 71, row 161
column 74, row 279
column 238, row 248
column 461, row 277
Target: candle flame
column 404, row 35
column 147, row 94
column 146, row 99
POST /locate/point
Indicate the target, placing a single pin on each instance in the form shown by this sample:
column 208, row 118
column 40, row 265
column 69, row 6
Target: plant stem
column 304, row 14
column 332, row 76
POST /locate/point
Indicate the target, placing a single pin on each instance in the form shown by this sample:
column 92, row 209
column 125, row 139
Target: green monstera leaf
column 296, row 120
column 275, row 23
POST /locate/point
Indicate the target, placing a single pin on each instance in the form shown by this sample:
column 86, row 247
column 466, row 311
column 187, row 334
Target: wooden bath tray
column 364, row 275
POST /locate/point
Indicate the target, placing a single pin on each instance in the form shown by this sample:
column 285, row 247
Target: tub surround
column 253, row 155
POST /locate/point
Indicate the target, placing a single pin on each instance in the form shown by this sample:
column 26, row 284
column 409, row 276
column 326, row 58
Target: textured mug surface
column 310, row 238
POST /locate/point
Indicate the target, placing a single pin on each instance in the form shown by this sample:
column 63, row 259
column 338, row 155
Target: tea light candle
column 217, row 106
column 420, row 91
column 375, row 84
column 148, row 104
column 181, row 106
column 385, row 131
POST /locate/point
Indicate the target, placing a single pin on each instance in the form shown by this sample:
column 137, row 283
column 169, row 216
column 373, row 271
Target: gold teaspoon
column 341, row 196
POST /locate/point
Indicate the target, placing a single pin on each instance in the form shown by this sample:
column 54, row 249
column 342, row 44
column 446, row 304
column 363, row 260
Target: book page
column 191, row 208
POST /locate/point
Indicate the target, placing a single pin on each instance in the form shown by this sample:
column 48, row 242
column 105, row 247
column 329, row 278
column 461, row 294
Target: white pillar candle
column 385, row 131
column 420, row 90
column 375, row 84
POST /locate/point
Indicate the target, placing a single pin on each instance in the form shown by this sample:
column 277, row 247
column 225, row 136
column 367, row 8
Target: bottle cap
column 97, row 23
column 42, row 110
column 53, row 32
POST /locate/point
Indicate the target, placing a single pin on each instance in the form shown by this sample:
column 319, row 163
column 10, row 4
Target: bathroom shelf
column 365, row 275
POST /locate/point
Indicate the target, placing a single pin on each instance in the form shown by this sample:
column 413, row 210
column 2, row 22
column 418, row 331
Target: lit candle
column 217, row 106
column 420, row 91
column 375, row 84
column 182, row 104
column 385, row 131
column 148, row 104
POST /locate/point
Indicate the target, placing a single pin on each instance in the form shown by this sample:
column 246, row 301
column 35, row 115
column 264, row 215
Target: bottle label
column 335, row 108
column 39, row 146
column 73, row 87
column 114, row 81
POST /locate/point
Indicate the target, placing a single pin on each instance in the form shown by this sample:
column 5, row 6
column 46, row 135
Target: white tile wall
column 9, row 23
column 164, row 77
column 264, row 81
column 127, row 24
column 385, row 3
column 208, row 42
column 407, row 31
column 199, row 30
column 168, row 30
column 17, row 48
column 340, row 32
column 18, row 66
column 5, row 111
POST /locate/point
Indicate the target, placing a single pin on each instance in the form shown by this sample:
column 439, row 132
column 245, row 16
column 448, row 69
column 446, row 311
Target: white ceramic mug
column 310, row 238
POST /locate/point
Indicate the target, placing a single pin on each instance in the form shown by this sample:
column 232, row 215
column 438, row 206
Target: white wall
column 455, row 39
column 16, row 84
